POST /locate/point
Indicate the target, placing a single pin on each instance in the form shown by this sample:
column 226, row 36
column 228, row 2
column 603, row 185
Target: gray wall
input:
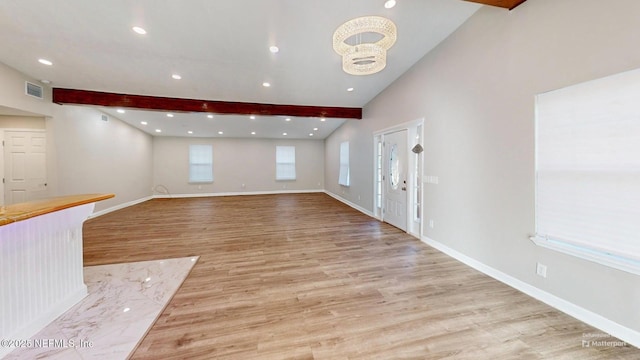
column 12, row 93
column 236, row 162
column 476, row 92
column 360, row 192
column 84, row 153
column 88, row 155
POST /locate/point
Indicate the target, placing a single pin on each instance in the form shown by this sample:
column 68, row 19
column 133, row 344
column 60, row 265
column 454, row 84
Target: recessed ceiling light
column 253, row 133
column 143, row 122
column 176, row 76
column 139, row 30
column 210, row 116
column 189, row 132
column 310, row 134
column 121, row 111
column 315, row 129
column 323, row 119
column 169, row 115
column 44, row 81
column 389, row 4
column 220, row 132
column 45, row 62
column 274, row 49
column 126, row 309
column 350, row 89
column 252, row 117
column 158, row 130
column 266, row 84
column 287, row 119
column 285, row 134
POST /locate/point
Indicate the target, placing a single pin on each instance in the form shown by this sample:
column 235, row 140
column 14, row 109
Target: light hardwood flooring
column 303, row 276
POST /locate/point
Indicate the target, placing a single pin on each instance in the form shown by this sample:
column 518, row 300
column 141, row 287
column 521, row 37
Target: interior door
column 395, row 179
column 25, row 166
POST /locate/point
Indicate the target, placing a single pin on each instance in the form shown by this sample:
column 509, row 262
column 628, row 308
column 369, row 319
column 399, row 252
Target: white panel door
column 395, row 179
column 25, row 166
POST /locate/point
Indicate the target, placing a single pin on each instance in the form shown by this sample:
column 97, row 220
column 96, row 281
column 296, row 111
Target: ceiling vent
column 32, row 89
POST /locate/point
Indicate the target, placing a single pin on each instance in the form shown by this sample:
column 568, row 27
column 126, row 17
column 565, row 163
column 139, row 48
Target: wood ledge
column 23, row 211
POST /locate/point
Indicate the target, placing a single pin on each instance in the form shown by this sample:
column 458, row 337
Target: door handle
column 404, row 188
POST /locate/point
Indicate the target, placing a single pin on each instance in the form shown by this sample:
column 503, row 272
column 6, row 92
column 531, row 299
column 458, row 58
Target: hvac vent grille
column 32, row 89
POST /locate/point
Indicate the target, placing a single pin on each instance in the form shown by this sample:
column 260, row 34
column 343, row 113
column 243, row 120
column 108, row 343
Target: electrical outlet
column 541, row 270
column 431, row 223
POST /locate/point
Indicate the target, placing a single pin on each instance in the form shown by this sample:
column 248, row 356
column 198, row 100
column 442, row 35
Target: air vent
column 32, row 89
column 105, row 117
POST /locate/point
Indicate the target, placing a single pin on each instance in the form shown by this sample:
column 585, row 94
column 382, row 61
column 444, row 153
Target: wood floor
column 303, row 276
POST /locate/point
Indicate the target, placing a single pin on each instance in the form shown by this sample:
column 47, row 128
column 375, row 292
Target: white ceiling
column 221, row 50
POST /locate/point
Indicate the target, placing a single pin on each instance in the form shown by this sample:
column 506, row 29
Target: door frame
column 3, row 162
column 414, row 166
column 2, row 167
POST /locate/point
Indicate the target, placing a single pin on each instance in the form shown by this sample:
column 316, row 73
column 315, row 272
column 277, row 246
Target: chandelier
column 364, row 58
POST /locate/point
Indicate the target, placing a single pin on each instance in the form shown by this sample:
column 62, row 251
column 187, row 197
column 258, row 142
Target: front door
column 25, row 176
column 395, row 179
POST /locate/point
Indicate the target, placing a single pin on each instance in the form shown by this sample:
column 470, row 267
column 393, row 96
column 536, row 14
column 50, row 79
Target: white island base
column 41, row 272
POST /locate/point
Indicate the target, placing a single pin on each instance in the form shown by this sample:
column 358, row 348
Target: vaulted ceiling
column 220, row 50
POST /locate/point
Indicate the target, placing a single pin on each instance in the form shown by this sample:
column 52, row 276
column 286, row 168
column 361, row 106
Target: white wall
column 84, row 154
column 360, row 163
column 476, row 92
column 12, row 93
column 21, row 122
column 236, row 162
column 88, row 155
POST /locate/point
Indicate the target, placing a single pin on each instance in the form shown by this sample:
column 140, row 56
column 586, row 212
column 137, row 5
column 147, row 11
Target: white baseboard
column 347, row 202
column 623, row 333
column 272, row 192
column 169, row 196
column 119, row 206
column 45, row 319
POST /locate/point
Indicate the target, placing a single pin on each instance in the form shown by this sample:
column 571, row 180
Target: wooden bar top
column 18, row 212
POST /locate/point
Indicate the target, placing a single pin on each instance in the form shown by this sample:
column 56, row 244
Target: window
column 379, row 173
column 285, row 162
column 588, row 171
column 343, row 177
column 417, row 183
column 200, row 163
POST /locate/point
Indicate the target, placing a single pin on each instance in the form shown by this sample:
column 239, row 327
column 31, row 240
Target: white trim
column 2, row 168
column 404, row 126
column 347, row 202
column 627, row 265
column 177, row 196
column 411, row 128
column 611, row 327
column 377, row 211
column 45, row 319
column 236, row 193
column 119, row 206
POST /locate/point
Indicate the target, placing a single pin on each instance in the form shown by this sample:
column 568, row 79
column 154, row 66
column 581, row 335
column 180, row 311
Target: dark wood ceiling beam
column 144, row 102
column 507, row 4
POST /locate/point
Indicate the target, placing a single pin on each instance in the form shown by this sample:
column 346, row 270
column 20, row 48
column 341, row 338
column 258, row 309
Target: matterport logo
column 601, row 340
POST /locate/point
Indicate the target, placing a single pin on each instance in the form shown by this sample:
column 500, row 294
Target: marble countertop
column 18, row 212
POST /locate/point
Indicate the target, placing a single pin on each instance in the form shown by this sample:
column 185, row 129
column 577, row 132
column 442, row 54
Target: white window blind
column 285, row 162
column 343, row 176
column 200, row 163
column 588, row 170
